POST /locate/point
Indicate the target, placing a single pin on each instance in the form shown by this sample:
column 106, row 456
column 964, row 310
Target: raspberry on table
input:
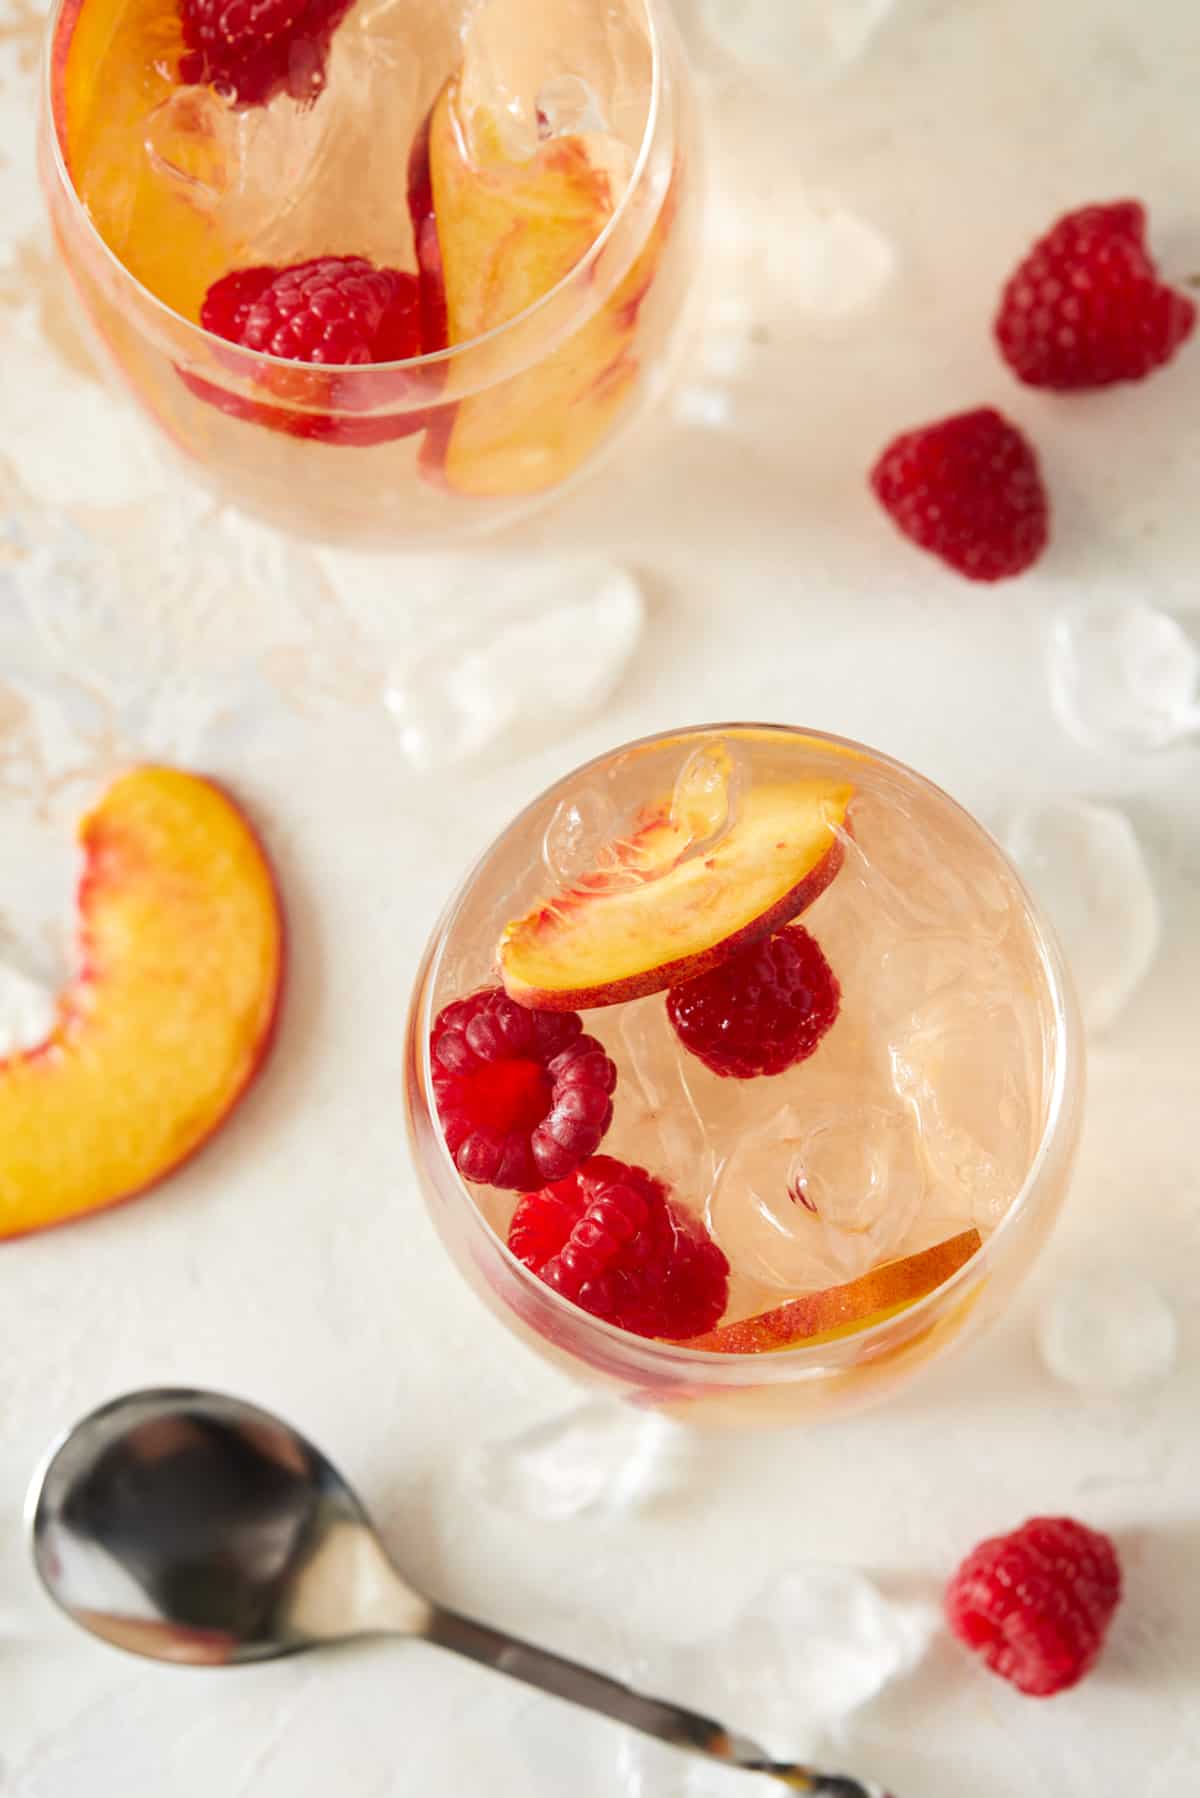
column 762, row 1011
column 1036, row 1605
column 337, row 311
column 612, row 1240
column 523, row 1096
column 251, row 50
column 967, row 489
column 1086, row 307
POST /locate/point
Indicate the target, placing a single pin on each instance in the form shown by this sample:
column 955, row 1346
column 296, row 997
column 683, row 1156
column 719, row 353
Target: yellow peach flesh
column 111, row 66
column 170, row 1015
column 600, row 945
column 839, row 1311
column 508, row 233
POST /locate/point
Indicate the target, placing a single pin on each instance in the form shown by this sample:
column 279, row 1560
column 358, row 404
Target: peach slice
column 662, row 919
column 494, row 236
column 110, row 69
column 845, row 1310
column 170, row 1016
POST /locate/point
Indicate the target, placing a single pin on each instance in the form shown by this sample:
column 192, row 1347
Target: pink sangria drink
column 385, row 270
column 743, row 1074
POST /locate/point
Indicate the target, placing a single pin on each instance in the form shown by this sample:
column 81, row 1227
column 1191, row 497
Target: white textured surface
column 293, row 1263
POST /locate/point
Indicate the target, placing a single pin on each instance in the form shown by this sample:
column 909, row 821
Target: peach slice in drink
column 495, row 235
column 674, row 916
column 171, row 1013
column 839, row 1311
column 111, row 67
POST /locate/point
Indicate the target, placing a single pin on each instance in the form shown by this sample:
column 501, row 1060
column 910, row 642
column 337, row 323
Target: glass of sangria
column 385, row 271
column 820, row 1108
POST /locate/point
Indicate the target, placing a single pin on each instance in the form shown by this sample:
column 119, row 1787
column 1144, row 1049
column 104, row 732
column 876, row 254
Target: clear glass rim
column 513, row 327
column 815, row 1358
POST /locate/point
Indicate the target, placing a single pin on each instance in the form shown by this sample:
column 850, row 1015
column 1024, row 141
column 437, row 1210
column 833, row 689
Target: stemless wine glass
column 945, row 1100
column 443, row 445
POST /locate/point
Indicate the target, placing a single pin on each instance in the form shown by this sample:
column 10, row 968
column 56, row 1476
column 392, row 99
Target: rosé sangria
column 743, row 1073
column 384, row 270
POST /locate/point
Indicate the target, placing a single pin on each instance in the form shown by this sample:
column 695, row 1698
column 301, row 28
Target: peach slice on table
column 845, row 1310
column 665, row 917
column 171, row 1013
column 496, row 234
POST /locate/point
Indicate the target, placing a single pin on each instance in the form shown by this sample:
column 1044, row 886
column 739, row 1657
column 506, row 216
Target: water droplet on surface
column 1108, row 1330
column 1126, row 676
column 1086, row 866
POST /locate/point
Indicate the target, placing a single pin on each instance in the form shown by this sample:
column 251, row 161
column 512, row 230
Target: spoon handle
column 652, row 1716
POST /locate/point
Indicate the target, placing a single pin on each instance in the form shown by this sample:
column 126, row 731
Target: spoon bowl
column 191, row 1527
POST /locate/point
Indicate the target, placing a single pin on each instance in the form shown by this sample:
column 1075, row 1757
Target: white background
column 859, row 234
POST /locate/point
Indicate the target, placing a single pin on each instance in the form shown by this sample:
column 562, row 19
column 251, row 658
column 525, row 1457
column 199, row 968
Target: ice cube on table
column 548, row 648
column 805, row 1654
column 1106, row 1329
column 1126, row 676
column 599, row 1456
column 1086, row 866
column 830, row 262
column 815, row 40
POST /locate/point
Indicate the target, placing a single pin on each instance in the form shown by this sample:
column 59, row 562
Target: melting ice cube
column 1085, row 864
column 805, row 1654
column 1108, row 1330
column 813, row 39
column 1126, row 676
column 550, row 648
column 600, row 1456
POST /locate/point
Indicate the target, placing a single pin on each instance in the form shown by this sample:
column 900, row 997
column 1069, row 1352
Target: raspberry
column 522, row 1095
column 969, row 490
column 760, row 1012
column 1086, row 307
column 251, row 50
column 610, row 1239
column 330, row 314
column 1036, row 1605
column 338, row 310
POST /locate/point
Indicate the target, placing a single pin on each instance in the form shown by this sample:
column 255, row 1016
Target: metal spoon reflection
column 190, row 1527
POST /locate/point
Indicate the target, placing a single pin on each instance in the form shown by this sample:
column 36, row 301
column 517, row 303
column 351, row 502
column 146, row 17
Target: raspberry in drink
column 744, row 1073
